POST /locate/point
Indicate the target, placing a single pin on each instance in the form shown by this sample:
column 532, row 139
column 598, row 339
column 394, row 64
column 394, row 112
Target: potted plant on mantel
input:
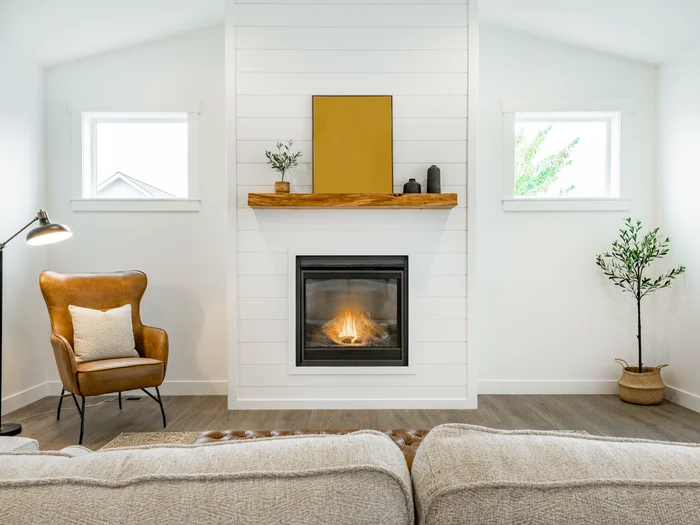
column 282, row 162
column 625, row 266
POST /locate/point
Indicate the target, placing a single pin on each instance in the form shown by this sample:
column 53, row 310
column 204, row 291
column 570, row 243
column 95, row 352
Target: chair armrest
column 155, row 344
column 65, row 361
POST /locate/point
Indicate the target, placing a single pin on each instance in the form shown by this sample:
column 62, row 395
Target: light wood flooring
column 599, row 415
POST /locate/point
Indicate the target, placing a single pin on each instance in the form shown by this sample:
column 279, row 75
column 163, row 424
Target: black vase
column 411, row 186
column 433, row 179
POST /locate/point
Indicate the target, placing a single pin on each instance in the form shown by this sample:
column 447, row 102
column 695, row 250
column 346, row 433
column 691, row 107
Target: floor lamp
column 46, row 233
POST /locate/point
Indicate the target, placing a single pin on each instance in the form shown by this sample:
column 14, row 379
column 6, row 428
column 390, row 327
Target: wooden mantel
column 353, row 200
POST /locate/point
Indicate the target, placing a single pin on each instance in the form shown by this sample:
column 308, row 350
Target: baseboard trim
column 25, row 397
column 352, row 404
column 543, row 387
column 173, row 388
column 169, row 388
column 683, row 398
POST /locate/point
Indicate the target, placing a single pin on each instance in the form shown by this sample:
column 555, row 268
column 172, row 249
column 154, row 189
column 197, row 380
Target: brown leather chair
column 103, row 291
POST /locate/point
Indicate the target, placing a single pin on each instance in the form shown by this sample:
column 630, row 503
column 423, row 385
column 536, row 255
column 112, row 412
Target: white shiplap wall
column 280, row 53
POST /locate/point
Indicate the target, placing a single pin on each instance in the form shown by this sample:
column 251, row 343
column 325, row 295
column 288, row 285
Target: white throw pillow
column 102, row 335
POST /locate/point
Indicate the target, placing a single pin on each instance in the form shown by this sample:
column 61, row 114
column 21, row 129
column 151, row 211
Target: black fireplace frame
column 352, row 266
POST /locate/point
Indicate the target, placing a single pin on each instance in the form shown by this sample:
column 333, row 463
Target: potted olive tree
column 625, row 265
column 282, row 162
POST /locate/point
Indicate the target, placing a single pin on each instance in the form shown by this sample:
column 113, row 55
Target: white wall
column 183, row 254
column 550, row 322
column 677, row 310
column 22, row 192
column 279, row 55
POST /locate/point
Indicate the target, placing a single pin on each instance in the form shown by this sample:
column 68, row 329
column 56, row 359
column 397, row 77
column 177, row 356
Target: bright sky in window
column 588, row 173
column 152, row 152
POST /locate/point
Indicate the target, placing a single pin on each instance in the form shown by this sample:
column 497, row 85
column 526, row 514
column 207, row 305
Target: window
column 135, row 161
column 562, row 156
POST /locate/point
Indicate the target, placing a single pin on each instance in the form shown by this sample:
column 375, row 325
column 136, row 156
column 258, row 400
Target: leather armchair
column 93, row 378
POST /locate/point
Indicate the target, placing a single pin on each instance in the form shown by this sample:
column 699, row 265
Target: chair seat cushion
column 118, row 375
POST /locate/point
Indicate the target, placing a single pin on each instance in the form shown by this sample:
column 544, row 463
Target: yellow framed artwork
column 353, row 144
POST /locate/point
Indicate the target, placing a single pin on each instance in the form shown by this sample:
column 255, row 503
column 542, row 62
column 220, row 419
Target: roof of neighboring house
column 146, row 189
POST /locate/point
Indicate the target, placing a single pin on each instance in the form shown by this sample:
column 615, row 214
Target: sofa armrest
column 155, row 344
column 18, row 444
column 65, row 361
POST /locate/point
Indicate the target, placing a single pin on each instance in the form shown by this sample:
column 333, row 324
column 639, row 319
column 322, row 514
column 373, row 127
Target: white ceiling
column 647, row 30
column 55, row 31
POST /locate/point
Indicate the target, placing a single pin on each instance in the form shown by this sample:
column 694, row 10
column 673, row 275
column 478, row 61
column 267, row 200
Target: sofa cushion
column 353, row 479
column 466, row 474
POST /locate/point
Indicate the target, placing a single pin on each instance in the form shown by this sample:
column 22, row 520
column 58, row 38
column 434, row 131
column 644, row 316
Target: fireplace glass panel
column 352, row 312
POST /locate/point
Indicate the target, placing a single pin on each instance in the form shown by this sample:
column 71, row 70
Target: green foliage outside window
column 534, row 177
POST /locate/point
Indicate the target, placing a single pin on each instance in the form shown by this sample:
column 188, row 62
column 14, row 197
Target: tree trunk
column 639, row 331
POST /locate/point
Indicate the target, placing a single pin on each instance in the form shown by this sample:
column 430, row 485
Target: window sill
column 567, row 204
column 136, row 205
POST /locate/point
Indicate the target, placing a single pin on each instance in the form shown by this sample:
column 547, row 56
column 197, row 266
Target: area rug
column 137, row 439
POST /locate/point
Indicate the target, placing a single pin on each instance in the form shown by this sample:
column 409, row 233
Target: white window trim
column 82, row 204
column 614, row 203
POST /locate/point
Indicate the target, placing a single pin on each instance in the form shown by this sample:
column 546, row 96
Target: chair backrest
column 99, row 291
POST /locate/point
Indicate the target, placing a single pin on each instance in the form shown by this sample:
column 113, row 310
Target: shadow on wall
column 180, row 313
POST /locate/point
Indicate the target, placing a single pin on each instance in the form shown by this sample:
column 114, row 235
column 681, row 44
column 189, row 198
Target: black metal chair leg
column 157, row 400
column 162, row 410
column 60, row 402
column 82, row 421
column 120, row 400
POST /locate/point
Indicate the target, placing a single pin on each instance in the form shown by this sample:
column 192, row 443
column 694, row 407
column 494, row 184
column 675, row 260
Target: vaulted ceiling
column 646, row 30
column 56, row 31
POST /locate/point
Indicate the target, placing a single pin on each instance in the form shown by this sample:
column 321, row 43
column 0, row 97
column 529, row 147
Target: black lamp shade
column 48, row 233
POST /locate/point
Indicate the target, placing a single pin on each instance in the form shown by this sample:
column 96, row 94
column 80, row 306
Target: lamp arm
column 2, row 244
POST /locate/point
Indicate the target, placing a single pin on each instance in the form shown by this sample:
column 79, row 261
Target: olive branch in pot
column 625, row 264
column 283, row 161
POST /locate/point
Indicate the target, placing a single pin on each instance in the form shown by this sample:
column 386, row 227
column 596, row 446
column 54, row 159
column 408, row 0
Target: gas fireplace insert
column 352, row 310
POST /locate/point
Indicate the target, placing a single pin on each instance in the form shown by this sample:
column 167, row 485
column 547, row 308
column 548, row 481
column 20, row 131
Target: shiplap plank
column 451, row 174
column 438, row 286
column 438, row 353
column 332, row 393
column 341, row 220
column 269, row 263
column 351, row 2
column 440, row 264
column 253, row 151
column 253, row 308
column 440, row 330
column 262, row 353
column 344, row 83
column 346, row 38
column 262, row 331
column 262, row 286
column 299, row 106
column 440, row 308
column 433, row 152
column 344, row 15
column 271, row 129
column 351, row 61
column 370, row 241
column 426, row 375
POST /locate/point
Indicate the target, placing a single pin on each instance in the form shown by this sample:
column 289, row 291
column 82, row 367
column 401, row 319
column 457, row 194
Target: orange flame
column 348, row 329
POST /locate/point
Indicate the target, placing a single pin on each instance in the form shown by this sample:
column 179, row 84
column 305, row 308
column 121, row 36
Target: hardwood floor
column 599, row 415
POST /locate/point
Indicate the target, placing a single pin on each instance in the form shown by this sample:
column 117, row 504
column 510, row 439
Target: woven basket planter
column 645, row 388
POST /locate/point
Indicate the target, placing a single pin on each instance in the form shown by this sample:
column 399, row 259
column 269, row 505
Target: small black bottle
column 411, row 186
column 433, row 179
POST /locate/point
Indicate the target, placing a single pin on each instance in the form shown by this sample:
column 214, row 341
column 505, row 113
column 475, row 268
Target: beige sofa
column 461, row 474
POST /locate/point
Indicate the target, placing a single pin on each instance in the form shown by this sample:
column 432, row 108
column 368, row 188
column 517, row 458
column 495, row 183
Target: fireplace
column 352, row 310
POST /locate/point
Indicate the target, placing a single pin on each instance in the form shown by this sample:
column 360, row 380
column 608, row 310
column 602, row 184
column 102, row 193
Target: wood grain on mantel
column 353, row 200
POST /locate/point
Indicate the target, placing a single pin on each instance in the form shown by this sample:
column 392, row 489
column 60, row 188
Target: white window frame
column 615, row 113
column 83, row 126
